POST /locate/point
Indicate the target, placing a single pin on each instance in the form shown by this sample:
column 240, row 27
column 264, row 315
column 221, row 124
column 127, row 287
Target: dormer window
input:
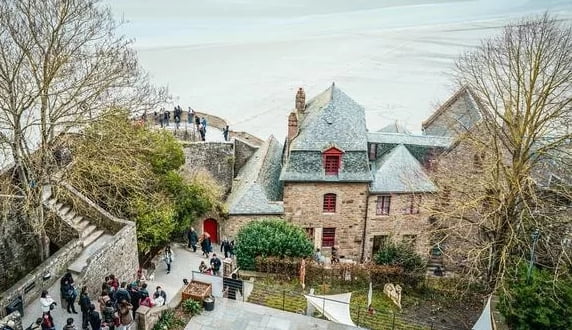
column 332, row 161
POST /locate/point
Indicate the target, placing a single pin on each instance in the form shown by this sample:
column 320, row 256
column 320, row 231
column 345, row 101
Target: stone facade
column 235, row 222
column 215, row 157
column 30, row 287
column 303, row 206
column 14, row 317
column 18, row 250
column 242, row 152
column 398, row 226
column 118, row 257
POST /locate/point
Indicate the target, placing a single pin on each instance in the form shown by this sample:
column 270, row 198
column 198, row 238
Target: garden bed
column 197, row 290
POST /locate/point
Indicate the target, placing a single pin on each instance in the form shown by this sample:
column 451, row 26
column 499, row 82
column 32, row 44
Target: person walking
column 46, row 302
column 215, row 265
column 197, row 122
column 193, row 239
column 70, row 294
column 84, row 303
column 190, row 115
column 168, row 257
column 166, row 117
column 225, row 247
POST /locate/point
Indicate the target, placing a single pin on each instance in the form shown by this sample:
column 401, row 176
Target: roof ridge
column 445, row 105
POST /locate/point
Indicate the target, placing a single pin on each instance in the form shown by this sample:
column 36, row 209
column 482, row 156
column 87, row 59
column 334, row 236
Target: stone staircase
column 435, row 262
column 92, row 237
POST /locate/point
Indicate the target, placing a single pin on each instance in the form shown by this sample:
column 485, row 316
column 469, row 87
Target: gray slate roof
column 396, row 127
column 458, row 114
column 332, row 118
column 418, row 140
column 399, row 172
column 257, row 188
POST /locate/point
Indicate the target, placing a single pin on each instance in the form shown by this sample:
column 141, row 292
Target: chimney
column 300, row 100
column 292, row 126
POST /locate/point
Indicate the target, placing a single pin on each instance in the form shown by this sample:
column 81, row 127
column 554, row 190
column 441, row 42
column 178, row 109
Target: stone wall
column 242, row 152
column 14, row 317
column 215, row 157
column 231, row 226
column 397, row 224
column 18, row 250
column 32, row 284
column 118, row 257
column 303, row 206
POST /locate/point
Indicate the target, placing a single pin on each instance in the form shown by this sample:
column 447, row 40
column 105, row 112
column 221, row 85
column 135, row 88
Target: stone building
column 347, row 187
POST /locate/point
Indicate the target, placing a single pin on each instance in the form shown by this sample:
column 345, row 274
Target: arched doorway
column 210, row 226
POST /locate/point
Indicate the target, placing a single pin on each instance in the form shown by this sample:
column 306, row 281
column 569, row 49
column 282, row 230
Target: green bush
column 192, row 307
column 400, row 255
column 168, row 320
column 539, row 303
column 271, row 237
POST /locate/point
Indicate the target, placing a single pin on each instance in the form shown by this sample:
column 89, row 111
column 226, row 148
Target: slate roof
column 418, row 140
column 399, row 172
column 332, row 117
column 396, row 127
column 459, row 113
column 257, row 188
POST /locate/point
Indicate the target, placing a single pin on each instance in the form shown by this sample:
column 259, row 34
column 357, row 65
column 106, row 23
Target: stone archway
column 210, row 226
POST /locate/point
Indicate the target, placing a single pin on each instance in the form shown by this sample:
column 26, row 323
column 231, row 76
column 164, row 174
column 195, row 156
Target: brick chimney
column 292, row 126
column 300, row 100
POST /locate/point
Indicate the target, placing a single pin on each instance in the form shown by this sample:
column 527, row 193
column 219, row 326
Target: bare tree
column 495, row 183
column 61, row 65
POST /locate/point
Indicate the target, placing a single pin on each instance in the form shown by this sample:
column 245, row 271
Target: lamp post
column 535, row 236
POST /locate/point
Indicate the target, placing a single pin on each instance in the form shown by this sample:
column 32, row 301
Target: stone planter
column 197, row 290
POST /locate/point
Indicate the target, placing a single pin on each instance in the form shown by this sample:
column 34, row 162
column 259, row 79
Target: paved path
column 185, row 263
column 237, row 315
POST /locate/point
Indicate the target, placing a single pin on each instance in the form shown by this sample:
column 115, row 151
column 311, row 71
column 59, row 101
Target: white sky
column 244, row 59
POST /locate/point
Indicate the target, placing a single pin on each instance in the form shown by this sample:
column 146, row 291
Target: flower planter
column 197, row 290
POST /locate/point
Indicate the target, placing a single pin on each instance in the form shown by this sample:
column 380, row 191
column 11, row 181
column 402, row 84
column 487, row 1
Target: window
column 310, row 233
column 372, row 151
column 412, row 204
column 383, row 204
column 379, row 242
column 332, row 161
column 328, row 237
column 410, row 240
column 329, row 203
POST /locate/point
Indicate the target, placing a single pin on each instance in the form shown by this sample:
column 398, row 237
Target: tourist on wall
column 46, row 302
column 190, row 115
column 193, row 239
column 202, row 132
column 215, row 264
column 84, row 303
column 225, row 132
column 197, row 122
column 94, row 318
column 125, row 316
column 168, row 257
column 160, row 296
column 166, row 116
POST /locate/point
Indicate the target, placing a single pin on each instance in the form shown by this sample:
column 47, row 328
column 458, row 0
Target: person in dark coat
column 193, row 239
column 84, row 303
column 69, row 294
column 225, row 132
column 225, row 247
column 197, row 122
column 94, row 319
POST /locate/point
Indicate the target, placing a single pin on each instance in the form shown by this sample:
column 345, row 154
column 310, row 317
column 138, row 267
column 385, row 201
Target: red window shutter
column 332, row 161
column 329, row 205
column 328, row 237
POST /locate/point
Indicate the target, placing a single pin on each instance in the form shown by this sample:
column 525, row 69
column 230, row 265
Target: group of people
column 204, row 240
column 117, row 304
column 320, row 259
column 163, row 118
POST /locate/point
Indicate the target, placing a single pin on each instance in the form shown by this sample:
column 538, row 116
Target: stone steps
column 92, row 244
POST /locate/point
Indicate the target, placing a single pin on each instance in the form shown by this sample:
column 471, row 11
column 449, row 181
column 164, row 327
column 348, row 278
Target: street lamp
column 535, row 236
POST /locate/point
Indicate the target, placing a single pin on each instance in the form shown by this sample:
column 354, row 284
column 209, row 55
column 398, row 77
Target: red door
column 210, row 226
